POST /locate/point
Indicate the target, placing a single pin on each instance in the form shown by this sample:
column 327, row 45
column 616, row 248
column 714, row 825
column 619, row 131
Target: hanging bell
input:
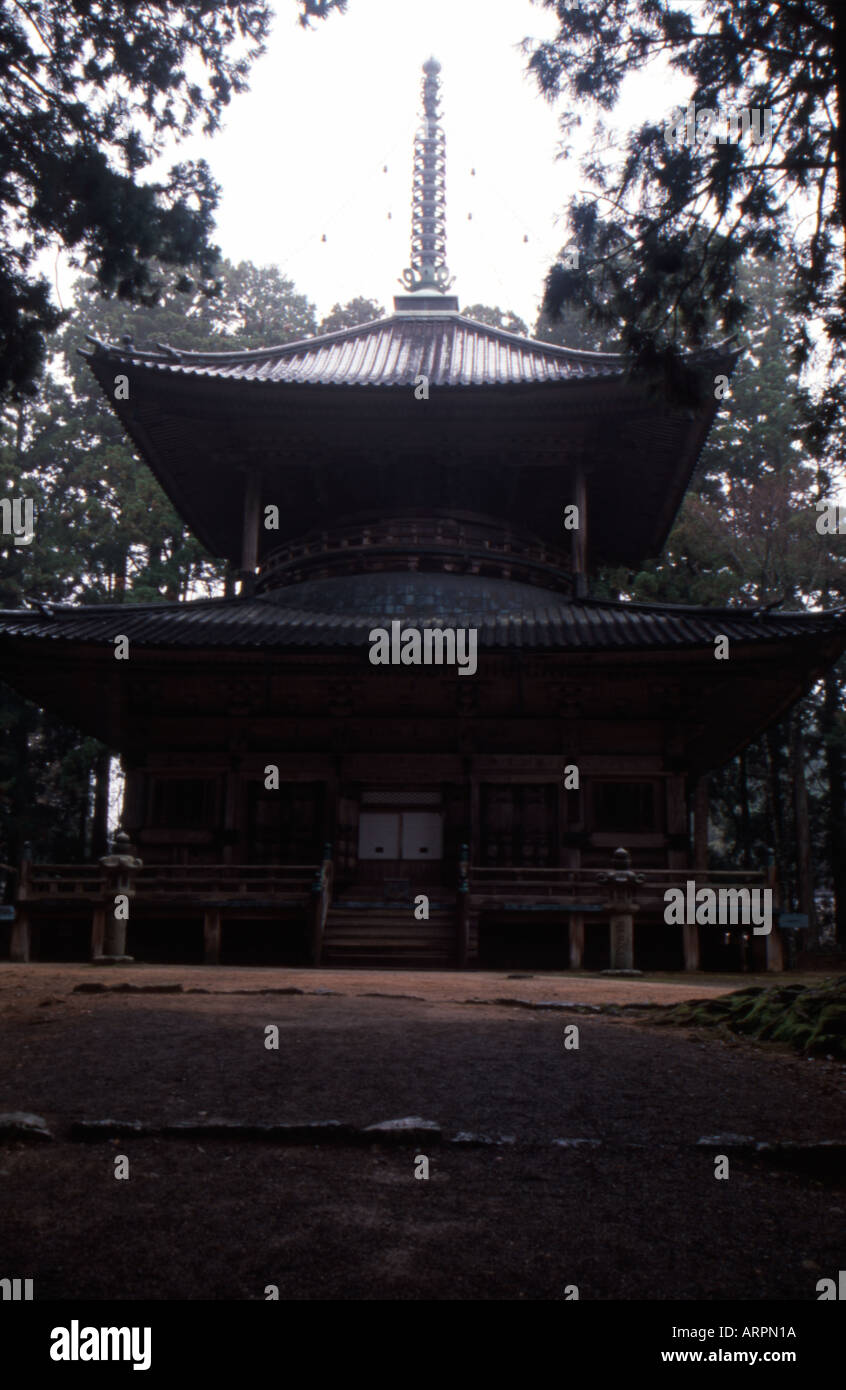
column 323, row 238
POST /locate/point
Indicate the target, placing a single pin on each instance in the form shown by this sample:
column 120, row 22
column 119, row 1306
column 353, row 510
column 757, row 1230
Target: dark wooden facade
column 289, row 800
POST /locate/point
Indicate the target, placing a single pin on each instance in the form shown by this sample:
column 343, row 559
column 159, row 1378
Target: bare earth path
column 638, row 1216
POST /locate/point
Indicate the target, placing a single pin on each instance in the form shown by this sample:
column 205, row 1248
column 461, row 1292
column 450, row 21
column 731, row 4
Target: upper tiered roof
column 441, row 344
column 423, row 409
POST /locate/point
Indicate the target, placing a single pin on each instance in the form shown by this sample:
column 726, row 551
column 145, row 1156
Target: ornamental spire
column 428, row 270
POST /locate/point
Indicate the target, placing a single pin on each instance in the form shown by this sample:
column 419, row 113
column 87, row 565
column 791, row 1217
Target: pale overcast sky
column 302, row 154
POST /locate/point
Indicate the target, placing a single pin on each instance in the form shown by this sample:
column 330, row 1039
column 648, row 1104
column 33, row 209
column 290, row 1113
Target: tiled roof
column 340, row 612
column 511, row 421
column 446, row 347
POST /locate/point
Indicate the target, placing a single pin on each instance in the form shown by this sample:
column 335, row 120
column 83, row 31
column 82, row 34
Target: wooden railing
column 582, row 885
column 218, row 891
column 200, row 881
column 474, row 540
column 221, row 892
column 163, row 882
column 39, row 881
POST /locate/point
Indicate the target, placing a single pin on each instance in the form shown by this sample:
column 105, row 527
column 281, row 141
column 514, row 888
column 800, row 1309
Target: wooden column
column 211, row 936
column 678, row 827
column 578, row 539
column 462, row 945
column 475, row 825
column 133, row 818
column 774, row 950
column 571, row 858
column 690, row 931
column 321, row 898
column 19, row 939
column 98, row 931
column 805, row 863
column 250, row 535
column 690, row 940
column 700, row 822
column 232, row 791
column 577, row 940
column 463, row 951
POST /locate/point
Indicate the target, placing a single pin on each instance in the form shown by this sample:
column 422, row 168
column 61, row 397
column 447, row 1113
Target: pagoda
column 290, row 800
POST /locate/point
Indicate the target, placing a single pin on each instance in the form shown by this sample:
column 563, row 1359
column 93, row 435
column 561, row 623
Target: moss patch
column 811, row 1018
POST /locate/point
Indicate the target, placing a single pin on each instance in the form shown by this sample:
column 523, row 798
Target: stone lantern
column 621, row 907
column 120, row 870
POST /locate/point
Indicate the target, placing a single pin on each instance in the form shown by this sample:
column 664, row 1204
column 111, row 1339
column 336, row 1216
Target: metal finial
column 428, row 269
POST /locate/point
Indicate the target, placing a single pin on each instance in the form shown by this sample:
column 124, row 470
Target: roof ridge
column 521, row 338
column 167, row 353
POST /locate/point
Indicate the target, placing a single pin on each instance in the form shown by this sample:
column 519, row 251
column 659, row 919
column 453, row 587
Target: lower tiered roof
column 341, row 611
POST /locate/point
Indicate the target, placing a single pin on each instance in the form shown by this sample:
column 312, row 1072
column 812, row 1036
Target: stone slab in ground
column 409, row 1129
column 22, row 1124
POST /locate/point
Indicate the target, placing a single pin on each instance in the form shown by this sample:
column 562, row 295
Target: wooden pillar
column 211, row 936
column 462, row 946
column 250, row 535
column 578, row 539
column 701, row 807
column 475, row 824
column 19, row 940
column 98, row 931
column 317, row 925
column 577, row 940
column 775, row 950
column 133, row 817
column 321, row 898
column 20, row 936
column 678, row 826
column 232, row 789
column 701, row 801
column 690, row 938
column 622, row 941
column 463, row 932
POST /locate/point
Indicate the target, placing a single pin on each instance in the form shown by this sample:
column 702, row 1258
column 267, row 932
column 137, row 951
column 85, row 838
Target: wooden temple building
column 292, row 802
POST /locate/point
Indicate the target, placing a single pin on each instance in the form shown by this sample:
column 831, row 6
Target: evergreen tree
column 495, row 318
column 746, row 535
column 105, row 531
column 666, row 229
column 90, row 97
column 351, row 314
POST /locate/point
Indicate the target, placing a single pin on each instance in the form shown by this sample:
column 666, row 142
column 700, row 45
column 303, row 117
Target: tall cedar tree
column 746, row 535
column 105, row 530
column 666, row 229
column 90, row 97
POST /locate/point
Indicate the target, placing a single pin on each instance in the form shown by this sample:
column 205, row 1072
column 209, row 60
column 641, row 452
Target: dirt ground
column 640, row 1215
